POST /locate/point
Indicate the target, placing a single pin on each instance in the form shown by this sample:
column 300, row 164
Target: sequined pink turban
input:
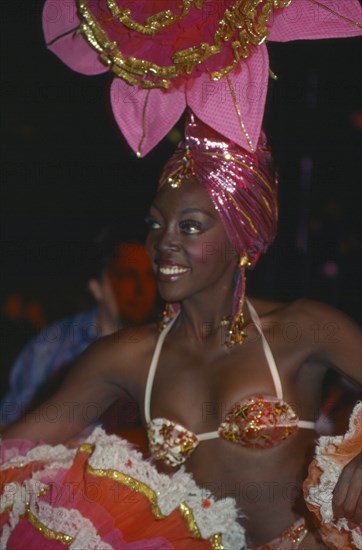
column 242, row 186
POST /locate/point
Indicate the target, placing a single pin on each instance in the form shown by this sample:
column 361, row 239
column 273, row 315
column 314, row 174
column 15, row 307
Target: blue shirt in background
column 54, row 349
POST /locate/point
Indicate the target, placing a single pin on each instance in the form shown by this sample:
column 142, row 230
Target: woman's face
column 187, row 243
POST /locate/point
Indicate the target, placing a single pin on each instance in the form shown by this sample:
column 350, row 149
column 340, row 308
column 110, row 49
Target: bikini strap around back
column 268, row 354
column 153, row 367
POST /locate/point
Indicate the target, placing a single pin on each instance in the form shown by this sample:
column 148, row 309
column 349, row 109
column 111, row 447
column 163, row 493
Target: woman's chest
column 199, row 391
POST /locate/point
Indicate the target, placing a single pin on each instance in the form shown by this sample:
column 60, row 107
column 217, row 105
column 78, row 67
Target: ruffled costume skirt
column 332, row 454
column 104, row 495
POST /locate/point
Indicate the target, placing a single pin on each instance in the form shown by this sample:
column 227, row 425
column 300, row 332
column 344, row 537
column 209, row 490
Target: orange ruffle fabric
column 335, row 452
column 90, row 498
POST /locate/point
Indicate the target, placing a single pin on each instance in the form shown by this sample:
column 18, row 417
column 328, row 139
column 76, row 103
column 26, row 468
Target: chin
column 171, row 295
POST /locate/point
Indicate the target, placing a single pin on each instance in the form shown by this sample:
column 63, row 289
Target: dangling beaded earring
column 235, row 328
column 167, row 315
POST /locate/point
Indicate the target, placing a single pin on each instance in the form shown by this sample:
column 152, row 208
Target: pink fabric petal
column 25, row 536
column 214, row 104
column 145, row 116
column 309, row 19
column 60, row 22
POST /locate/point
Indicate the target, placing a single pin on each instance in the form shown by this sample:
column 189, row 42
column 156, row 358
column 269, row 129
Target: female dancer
column 230, row 387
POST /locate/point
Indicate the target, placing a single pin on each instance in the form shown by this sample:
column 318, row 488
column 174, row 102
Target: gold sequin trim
column 258, row 174
column 139, row 150
column 48, row 533
column 245, row 165
column 296, row 534
column 216, row 542
column 238, row 114
column 132, row 483
column 86, row 448
column 243, row 213
column 188, row 516
column 154, row 23
column 244, row 24
column 128, row 481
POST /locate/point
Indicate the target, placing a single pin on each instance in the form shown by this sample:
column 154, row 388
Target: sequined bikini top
column 256, row 421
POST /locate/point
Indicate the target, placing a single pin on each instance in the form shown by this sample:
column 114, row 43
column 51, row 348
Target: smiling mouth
column 172, row 270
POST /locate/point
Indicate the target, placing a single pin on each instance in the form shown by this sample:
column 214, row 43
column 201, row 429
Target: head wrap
column 242, row 186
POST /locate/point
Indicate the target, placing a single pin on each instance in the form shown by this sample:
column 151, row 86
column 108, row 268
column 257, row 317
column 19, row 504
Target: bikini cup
column 258, row 421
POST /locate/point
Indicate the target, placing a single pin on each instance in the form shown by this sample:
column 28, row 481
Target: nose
column 167, row 240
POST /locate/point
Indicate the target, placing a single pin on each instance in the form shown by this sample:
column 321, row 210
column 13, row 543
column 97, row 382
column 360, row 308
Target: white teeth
column 172, row 270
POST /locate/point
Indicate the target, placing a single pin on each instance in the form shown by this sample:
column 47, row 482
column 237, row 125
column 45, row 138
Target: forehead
column 190, row 194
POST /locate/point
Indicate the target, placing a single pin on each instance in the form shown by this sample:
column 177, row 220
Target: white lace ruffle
column 322, row 494
column 61, row 520
column 113, row 453
column 69, row 521
column 15, row 497
column 212, row 516
column 57, row 456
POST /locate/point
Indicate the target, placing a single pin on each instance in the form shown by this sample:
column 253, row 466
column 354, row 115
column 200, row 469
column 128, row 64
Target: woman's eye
column 191, row 227
column 152, row 223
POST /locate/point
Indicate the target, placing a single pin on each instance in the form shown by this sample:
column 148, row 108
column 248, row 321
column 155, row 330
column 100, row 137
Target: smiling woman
column 241, row 197
column 230, row 387
column 221, row 390
column 188, row 245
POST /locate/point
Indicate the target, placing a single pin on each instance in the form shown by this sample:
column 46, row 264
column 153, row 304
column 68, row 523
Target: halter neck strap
column 268, row 353
column 153, row 366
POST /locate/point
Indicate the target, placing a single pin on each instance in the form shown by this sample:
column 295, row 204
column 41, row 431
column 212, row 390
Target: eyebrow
column 195, row 210
column 187, row 210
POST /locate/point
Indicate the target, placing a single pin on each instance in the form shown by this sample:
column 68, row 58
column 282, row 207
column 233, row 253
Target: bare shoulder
column 318, row 330
column 122, row 355
column 304, row 312
column 92, row 385
column 322, row 315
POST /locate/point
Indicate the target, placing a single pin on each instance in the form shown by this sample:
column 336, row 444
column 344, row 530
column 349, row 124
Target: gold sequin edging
column 185, row 511
column 143, row 137
column 154, row 23
column 128, row 481
column 48, row 533
column 244, row 24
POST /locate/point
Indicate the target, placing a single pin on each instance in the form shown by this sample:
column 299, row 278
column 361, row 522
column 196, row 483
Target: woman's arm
column 91, row 386
column 347, row 494
column 333, row 338
column 339, row 343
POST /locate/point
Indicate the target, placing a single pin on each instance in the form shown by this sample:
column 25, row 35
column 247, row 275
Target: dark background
column 66, row 170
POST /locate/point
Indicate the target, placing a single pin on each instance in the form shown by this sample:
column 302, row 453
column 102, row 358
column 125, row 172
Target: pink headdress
column 243, row 188
column 208, row 55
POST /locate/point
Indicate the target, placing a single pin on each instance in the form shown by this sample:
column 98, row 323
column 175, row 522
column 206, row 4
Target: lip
column 168, row 271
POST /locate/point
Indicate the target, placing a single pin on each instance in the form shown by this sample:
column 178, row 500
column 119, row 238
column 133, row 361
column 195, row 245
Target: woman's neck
column 202, row 322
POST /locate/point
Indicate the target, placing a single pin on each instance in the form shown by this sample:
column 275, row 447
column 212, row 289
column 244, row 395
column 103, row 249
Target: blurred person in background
column 16, row 329
column 121, row 281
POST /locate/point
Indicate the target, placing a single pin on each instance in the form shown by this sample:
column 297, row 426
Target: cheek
column 212, row 253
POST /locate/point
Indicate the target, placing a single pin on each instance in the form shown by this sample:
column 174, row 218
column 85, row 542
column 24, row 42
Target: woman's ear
column 95, row 288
